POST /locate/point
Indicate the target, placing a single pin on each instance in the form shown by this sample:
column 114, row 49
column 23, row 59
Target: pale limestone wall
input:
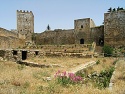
column 114, row 28
column 56, row 37
column 25, row 25
column 92, row 24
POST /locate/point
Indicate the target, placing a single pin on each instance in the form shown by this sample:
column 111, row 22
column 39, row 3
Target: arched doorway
column 81, row 41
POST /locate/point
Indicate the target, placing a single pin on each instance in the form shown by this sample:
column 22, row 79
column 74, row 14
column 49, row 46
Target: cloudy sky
column 59, row 14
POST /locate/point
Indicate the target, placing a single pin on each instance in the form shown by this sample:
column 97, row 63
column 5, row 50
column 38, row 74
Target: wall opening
column 81, row 41
column 14, row 52
column 81, row 26
column 101, row 41
column 36, row 52
column 24, row 55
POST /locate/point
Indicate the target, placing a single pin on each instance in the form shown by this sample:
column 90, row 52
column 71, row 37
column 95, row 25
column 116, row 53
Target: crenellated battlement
column 24, row 11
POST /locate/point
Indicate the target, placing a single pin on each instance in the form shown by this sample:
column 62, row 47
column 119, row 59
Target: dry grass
column 66, row 62
column 119, row 79
column 21, row 79
column 104, row 63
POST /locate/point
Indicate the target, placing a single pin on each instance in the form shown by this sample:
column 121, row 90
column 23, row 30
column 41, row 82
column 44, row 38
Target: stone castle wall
column 82, row 33
column 56, row 37
column 7, row 33
column 114, row 28
column 9, row 39
column 10, row 42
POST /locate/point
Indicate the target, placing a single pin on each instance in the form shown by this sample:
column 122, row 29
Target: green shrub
column 97, row 62
column 103, row 80
column 21, row 67
column 107, row 50
column 80, row 73
column 26, row 84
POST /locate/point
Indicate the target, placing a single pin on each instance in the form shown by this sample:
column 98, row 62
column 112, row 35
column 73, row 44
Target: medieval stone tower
column 82, row 29
column 25, row 25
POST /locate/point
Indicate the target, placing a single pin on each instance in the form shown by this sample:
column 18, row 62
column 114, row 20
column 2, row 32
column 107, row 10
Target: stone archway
column 82, row 41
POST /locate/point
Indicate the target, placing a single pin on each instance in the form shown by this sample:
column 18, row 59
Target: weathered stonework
column 25, row 25
column 84, row 32
column 7, row 33
column 86, row 50
column 82, row 29
column 8, row 39
column 97, row 35
column 114, row 28
column 56, row 37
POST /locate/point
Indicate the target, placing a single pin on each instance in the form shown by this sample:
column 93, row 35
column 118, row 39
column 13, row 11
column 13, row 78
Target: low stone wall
column 33, row 64
column 49, row 51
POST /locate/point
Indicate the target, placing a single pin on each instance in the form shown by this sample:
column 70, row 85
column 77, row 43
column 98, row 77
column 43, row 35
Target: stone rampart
column 10, row 42
column 9, row 39
column 56, row 37
column 7, row 33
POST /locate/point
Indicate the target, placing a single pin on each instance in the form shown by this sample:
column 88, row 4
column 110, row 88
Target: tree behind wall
column 48, row 27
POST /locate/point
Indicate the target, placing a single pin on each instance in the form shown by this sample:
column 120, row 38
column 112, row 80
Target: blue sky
column 59, row 14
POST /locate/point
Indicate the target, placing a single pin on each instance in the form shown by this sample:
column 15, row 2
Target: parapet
column 82, row 19
column 24, row 11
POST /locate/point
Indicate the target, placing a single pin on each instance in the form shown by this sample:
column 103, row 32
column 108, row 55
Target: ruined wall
column 10, row 42
column 7, row 33
column 9, row 39
column 56, row 37
column 25, row 25
column 97, row 35
column 114, row 28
